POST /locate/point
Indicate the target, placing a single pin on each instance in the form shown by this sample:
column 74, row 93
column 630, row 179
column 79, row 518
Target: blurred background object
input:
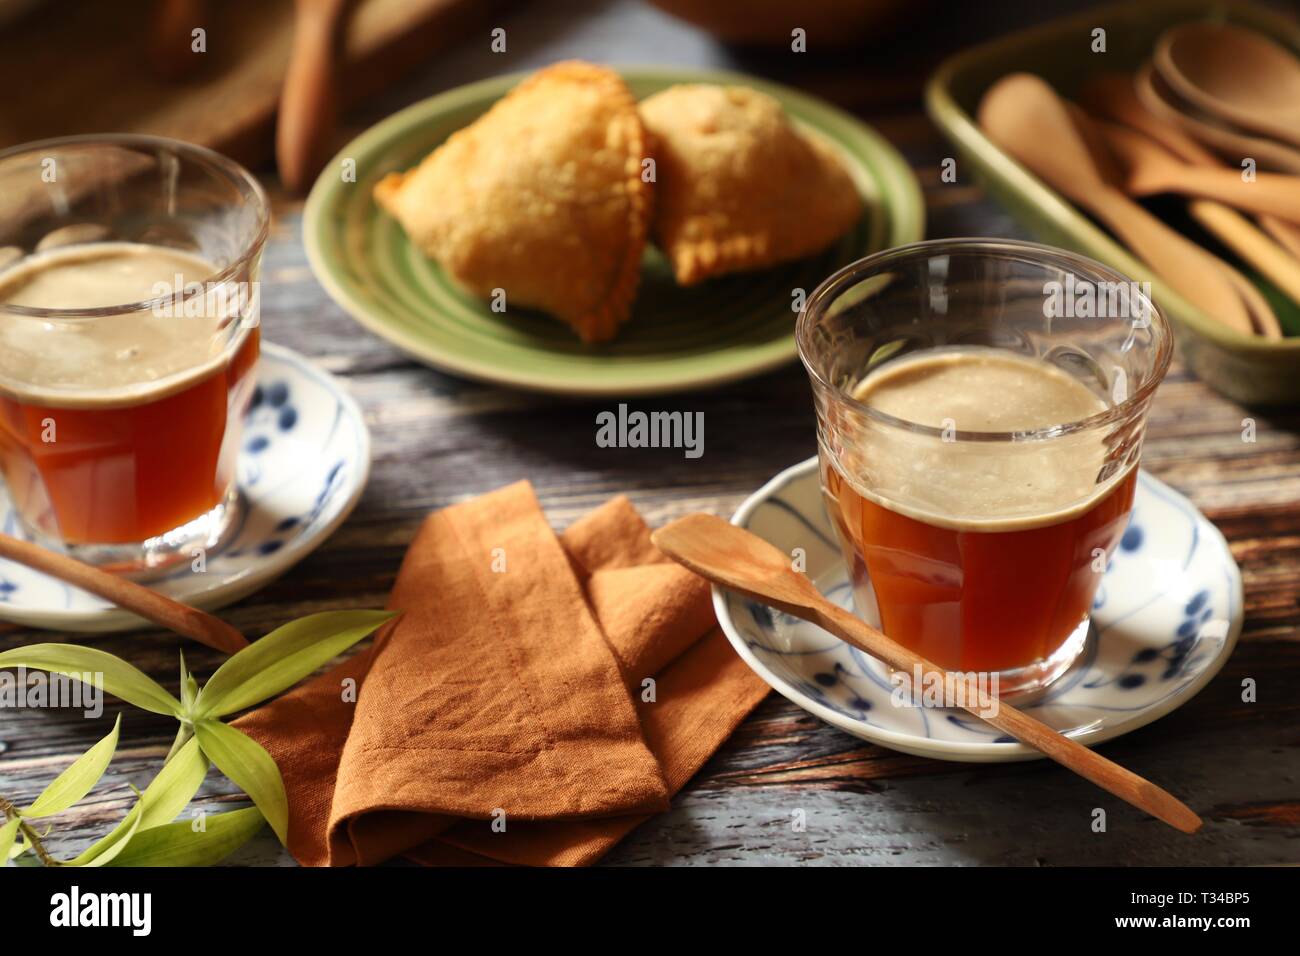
column 171, row 46
column 216, row 82
column 11, row 10
column 309, row 102
column 767, row 22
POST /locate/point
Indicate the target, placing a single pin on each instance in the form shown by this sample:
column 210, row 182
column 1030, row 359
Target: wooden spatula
column 735, row 559
column 150, row 605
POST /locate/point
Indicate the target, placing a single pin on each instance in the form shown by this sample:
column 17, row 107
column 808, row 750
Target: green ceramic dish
column 1245, row 368
column 676, row 339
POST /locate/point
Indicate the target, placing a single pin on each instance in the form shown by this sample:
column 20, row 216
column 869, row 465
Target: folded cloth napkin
column 536, row 700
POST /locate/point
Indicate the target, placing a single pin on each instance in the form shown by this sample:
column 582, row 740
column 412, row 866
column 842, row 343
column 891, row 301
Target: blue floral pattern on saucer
column 303, row 465
column 1165, row 620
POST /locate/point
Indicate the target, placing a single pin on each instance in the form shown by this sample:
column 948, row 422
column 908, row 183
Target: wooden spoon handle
column 1271, row 193
column 1231, row 145
column 1188, row 268
column 1286, row 233
column 150, row 605
column 1242, row 236
column 1110, row 776
column 1261, row 313
column 308, row 103
column 1106, row 774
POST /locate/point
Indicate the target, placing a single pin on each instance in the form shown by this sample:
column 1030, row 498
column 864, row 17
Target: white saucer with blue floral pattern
column 301, row 470
column 1166, row 617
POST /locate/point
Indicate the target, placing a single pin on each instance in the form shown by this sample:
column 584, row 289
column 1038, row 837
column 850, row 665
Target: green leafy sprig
column 147, row 835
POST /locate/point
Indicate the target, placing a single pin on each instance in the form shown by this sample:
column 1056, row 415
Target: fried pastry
column 738, row 186
column 541, row 197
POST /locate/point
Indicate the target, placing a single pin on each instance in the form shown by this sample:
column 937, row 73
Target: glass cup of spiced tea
column 980, row 408
column 128, row 334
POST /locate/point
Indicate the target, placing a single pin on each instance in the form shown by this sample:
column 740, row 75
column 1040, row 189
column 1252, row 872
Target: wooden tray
column 1249, row 369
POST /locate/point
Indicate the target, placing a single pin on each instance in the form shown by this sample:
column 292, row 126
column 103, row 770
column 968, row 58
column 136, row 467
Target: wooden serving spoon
column 1114, row 96
column 309, row 102
column 1103, row 137
column 1136, row 150
column 150, row 605
column 1262, row 316
column 1254, row 246
column 1026, row 117
column 735, row 559
column 1231, row 144
column 1150, row 169
column 1235, row 74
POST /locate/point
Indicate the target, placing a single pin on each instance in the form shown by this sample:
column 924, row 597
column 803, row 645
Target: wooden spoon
column 1228, row 143
column 1151, row 169
column 1149, row 165
column 1026, row 117
column 1114, row 96
column 1286, row 233
column 1264, row 320
column 1262, row 317
column 1254, row 246
column 309, row 102
column 150, row 605
column 735, row 559
column 1238, row 75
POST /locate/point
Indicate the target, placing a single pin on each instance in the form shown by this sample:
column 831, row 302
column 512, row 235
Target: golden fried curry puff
column 542, row 197
column 738, row 186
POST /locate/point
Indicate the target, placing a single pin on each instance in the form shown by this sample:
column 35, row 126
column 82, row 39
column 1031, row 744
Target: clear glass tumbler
column 980, row 407
column 129, row 314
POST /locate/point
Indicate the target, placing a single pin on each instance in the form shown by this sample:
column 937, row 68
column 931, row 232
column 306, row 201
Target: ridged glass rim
column 227, row 168
column 1031, row 252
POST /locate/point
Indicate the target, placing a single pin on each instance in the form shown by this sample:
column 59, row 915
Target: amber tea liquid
column 980, row 558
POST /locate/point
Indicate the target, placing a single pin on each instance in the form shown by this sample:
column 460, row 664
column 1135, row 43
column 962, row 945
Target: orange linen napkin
column 538, row 697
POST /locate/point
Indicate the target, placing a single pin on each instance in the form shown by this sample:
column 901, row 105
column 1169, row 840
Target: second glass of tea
column 128, row 333
column 981, row 406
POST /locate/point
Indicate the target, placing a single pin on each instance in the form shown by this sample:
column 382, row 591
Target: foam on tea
column 965, row 484
column 132, row 352
column 982, row 390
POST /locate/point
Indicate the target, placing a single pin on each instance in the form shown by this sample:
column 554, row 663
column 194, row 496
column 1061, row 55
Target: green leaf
column 174, row 787
column 165, row 797
column 177, row 844
column 107, row 847
column 7, row 834
column 184, row 734
column 187, row 687
column 122, row 836
column 75, row 782
column 106, row 671
column 243, row 760
column 282, row 658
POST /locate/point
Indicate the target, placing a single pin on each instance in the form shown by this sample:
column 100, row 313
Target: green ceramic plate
column 676, row 339
column 1247, row 368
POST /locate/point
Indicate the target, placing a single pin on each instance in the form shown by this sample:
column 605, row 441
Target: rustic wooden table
column 439, row 439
